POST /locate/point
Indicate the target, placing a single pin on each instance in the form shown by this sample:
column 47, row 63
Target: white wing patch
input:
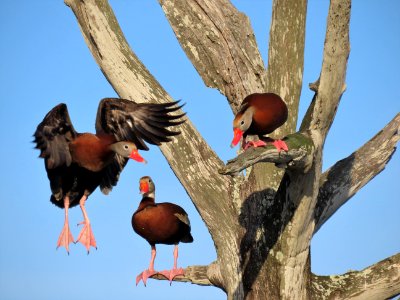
column 183, row 218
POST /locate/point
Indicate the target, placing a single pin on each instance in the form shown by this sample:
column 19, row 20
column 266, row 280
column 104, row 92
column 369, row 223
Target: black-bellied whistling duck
column 160, row 223
column 258, row 115
column 77, row 163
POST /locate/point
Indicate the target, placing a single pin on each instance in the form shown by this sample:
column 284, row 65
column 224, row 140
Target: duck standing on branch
column 160, row 223
column 77, row 163
column 258, row 115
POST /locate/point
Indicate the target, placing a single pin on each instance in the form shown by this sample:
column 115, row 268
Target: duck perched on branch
column 160, row 223
column 258, row 115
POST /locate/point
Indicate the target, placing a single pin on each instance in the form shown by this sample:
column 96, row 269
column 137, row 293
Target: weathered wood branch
column 189, row 156
column 379, row 281
column 299, row 155
column 331, row 83
column 200, row 275
column 285, row 64
column 343, row 180
column 209, row 30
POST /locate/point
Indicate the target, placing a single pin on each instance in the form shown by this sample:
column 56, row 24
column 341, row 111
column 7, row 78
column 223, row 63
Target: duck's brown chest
column 92, row 152
column 157, row 224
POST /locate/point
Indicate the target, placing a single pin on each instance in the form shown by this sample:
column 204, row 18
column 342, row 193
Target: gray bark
column 211, row 29
column 268, row 216
column 379, row 281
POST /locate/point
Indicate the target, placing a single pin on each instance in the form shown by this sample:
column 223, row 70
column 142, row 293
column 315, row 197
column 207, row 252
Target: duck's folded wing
column 53, row 135
column 138, row 122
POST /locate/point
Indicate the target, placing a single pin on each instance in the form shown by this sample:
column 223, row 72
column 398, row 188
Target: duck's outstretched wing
column 138, row 122
column 53, row 135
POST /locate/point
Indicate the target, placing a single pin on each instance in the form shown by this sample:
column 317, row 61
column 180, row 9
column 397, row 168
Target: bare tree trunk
column 269, row 216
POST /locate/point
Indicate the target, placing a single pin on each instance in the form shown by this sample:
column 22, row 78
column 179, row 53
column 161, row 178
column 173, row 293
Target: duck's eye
column 242, row 122
column 149, row 180
column 126, row 147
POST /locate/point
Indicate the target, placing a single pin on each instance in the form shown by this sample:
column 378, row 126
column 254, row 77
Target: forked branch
column 221, row 45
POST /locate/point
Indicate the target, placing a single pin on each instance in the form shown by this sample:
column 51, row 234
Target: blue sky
column 45, row 61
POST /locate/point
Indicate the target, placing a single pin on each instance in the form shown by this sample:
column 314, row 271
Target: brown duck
column 258, row 115
column 160, row 223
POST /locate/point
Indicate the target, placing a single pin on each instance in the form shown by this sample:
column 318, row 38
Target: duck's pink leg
column 150, row 271
column 86, row 236
column 171, row 274
column 65, row 237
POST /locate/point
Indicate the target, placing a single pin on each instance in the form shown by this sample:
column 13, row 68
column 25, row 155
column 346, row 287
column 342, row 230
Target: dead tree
column 270, row 215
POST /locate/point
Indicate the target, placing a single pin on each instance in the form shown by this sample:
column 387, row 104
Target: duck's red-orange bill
column 237, row 135
column 143, row 187
column 136, row 156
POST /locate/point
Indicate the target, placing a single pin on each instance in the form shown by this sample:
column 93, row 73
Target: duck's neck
column 149, row 195
column 147, row 200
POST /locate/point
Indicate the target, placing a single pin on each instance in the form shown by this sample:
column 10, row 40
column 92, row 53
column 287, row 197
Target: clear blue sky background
column 44, row 61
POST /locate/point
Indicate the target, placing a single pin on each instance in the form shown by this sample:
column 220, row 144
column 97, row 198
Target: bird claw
column 145, row 275
column 254, row 144
column 280, row 145
column 171, row 274
column 65, row 238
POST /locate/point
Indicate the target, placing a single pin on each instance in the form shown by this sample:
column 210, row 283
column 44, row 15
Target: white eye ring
column 126, row 147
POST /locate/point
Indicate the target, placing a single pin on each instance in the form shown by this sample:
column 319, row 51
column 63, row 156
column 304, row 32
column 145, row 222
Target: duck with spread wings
column 77, row 163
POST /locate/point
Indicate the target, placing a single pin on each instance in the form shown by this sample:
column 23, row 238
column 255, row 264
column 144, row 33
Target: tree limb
column 379, row 281
column 298, row 156
column 285, row 64
column 340, row 182
column 331, row 83
column 209, row 30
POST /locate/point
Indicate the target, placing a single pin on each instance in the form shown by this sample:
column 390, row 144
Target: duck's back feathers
column 270, row 112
